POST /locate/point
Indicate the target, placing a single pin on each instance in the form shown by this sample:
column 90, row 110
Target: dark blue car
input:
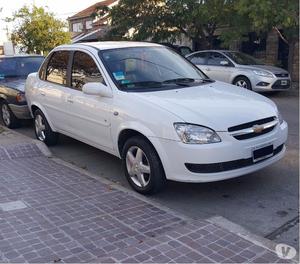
column 13, row 73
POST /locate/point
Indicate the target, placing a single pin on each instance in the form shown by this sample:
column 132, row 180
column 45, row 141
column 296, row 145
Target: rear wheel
column 8, row 117
column 142, row 166
column 43, row 130
column 243, row 82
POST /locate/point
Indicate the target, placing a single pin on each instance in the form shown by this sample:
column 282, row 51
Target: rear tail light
column 20, row 98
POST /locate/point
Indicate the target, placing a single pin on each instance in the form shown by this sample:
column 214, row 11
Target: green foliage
column 38, row 31
column 199, row 20
column 266, row 15
column 163, row 19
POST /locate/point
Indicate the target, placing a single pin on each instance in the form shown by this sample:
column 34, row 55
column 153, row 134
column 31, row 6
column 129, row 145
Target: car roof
column 213, row 50
column 20, row 56
column 104, row 45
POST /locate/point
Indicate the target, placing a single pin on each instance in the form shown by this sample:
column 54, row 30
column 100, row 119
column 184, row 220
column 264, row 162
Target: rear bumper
column 20, row 111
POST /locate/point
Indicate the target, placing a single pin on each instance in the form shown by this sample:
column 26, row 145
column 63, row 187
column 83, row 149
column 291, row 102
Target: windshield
column 150, row 67
column 19, row 66
column 242, row 58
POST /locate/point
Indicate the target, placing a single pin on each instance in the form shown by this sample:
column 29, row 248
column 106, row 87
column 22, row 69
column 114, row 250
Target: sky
column 61, row 8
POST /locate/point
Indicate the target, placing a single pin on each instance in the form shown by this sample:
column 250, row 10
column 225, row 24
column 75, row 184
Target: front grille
column 281, row 75
column 228, row 165
column 252, row 135
column 279, row 85
column 251, row 124
column 253, row 129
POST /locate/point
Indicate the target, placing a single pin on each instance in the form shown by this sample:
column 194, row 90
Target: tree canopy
column 198, row 20
column 37, row 30
column 280, row 15
column 162, row 19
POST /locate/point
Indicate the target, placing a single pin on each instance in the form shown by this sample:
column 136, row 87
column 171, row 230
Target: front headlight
column 194, row 134
column 263, row 73
column 280, row 118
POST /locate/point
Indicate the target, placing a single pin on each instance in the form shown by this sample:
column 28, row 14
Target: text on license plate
column 284, row 82
column 263, row 153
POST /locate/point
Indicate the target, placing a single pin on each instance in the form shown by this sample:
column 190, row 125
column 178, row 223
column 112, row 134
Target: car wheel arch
column 238, row 76
column 127, row 133
column 35, row 107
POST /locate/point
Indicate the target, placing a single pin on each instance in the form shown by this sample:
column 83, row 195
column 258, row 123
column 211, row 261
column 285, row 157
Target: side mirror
column 97, row 88
column 224, row 63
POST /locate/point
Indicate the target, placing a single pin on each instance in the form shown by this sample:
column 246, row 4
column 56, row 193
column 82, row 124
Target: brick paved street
column 62, row 215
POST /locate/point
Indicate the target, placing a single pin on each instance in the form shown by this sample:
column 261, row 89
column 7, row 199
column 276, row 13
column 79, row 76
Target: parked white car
column 151, row 107
column 241, row 69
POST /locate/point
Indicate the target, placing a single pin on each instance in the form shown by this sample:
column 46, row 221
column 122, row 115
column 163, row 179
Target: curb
column 43, row 148
column 247, row 235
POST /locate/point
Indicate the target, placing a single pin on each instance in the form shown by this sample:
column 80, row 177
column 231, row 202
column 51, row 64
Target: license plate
column 284, row 82
column 262, row 153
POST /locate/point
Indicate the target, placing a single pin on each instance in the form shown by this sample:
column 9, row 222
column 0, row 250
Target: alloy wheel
column 138, row 166
column 5, row 114
column 242, row 83
column 40, row 127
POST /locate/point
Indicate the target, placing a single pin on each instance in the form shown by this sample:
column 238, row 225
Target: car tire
column 8, row 117
column 142, row 166
column 43, row 130
column 243, row 82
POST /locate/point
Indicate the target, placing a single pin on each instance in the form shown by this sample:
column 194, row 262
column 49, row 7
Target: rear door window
column 199, row 58
column 84, row 70
column 57, row 68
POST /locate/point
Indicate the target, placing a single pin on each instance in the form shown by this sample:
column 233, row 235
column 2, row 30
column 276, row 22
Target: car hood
column 14, row 83
column 269, row 68
column 217, row 105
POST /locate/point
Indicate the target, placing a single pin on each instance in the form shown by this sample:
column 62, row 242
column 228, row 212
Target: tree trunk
column 292, row 54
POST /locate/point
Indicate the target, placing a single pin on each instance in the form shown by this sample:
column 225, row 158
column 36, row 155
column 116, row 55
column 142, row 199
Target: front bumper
column 20, row 111
column 266, row 84
column 175, row 155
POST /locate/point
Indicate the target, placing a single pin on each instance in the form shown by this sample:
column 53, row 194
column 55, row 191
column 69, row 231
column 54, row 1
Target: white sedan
column 155, row 110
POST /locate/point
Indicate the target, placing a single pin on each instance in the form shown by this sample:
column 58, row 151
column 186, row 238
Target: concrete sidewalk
column 51, row 212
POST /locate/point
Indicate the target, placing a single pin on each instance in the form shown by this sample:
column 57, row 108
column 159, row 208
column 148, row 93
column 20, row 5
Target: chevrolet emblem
column 258, row 129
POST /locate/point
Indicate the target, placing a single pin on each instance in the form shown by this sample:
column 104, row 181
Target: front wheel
column 8, row 117
column 43, row 130
column 142, row 166
column 243, row 82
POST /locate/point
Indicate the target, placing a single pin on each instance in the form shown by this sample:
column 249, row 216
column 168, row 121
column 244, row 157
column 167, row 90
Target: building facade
column 86, row 26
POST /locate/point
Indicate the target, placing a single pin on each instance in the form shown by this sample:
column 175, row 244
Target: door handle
column 42, row 93
column 70, row 100
column 207, row 69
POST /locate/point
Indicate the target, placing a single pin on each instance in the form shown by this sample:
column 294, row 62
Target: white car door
column 90, row 114
column 52, row 90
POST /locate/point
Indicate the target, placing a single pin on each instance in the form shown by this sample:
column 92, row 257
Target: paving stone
column 70, row 217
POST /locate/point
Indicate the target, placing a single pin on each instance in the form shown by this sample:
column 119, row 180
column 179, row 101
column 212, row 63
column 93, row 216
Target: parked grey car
column 240, row 69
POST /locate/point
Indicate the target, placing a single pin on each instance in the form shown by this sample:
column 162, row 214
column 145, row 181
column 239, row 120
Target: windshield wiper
column 180, row 81
column 155, row 84
column 11, row 76
column 207, row 80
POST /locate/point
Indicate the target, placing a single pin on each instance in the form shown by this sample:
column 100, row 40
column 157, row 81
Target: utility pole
column 7, row 32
